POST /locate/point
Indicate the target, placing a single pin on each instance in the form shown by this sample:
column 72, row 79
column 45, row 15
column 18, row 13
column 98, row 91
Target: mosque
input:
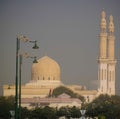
column 46, row 73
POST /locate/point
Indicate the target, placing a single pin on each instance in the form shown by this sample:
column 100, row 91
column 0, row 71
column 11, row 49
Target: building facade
column 60, row 101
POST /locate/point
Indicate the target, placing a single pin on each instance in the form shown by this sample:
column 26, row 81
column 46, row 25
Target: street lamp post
column 20, row 67
column 20, row 64
column 16, row 81
column 18, row 74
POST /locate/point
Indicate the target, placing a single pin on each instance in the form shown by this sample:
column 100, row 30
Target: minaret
column 111, row 57
column 102, row 60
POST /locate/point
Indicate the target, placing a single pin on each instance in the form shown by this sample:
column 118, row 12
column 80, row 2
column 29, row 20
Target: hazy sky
column 66, row 30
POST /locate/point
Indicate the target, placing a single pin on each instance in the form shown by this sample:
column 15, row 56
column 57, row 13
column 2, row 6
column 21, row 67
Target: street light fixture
column 35, row 59
column 35, row 44
column 18, row 73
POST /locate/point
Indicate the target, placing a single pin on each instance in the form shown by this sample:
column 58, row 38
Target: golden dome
column 46, row 69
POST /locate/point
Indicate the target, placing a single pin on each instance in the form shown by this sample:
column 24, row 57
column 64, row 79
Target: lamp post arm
column 31, row 41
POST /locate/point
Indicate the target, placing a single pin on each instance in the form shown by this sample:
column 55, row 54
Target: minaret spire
column 111, row 57
column 106, row 61
column 102, row 60
column 111, row 38
column 103, row 22
column 103, row 36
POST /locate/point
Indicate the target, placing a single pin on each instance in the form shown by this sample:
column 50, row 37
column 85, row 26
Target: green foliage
column 62, row 89
column 63, row 111
column 105, row 105
column 24, row 113
column 75, row 112
column 59, row 90
column 42, row 113
column 6, row 104
column 68, row 112
column 101, row 117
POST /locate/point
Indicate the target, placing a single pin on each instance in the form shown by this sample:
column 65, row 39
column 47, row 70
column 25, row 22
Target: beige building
column 45, row 78
column 46, row 73
column 60, row 101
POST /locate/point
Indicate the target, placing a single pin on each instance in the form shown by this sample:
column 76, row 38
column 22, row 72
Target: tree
column 48, row 113
column 62, row 112
column 24, row 113
column 75, row 112
column 62, row 89
column 6, row 104
column 104, row 105
column 42, row 113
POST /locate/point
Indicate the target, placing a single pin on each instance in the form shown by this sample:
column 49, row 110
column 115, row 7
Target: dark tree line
column 6, row 104
column 104, row 107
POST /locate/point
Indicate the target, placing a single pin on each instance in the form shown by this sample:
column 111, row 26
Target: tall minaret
column 111, row 57
column 102, row 60
column 106, row 60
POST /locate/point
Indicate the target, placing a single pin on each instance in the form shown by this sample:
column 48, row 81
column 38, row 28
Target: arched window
column 102, row 89
column 113, row 75
column 110, row 90
column 48, row 78
column 110, row 76
column 105, row 74
column 43, row 78
column 102, row 74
